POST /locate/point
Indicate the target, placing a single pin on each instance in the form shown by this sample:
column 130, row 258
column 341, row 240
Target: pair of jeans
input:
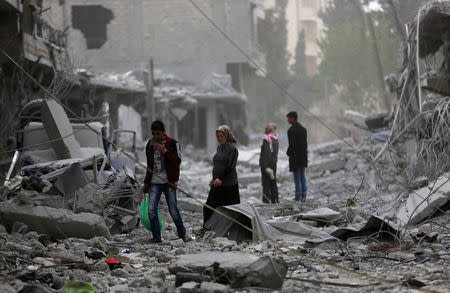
column 300, row 184
column 170, row 193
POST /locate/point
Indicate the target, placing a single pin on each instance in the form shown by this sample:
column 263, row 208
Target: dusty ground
column 312, row 270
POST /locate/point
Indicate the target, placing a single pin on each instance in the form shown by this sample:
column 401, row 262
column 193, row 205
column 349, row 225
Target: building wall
column 303, row 15
column 172, row 32
column 309, row 21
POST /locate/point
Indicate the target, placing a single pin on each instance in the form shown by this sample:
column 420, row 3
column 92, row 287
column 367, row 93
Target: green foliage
column 349, row 60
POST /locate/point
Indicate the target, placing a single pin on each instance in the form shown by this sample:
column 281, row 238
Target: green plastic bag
column 143, row 210
column 78, row 287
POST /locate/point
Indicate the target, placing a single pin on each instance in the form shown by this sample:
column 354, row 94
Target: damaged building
column 27, row 39
column 117, row 44
column 375, row 218
column 420, row 132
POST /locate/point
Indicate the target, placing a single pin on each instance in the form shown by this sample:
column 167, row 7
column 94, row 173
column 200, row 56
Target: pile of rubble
column 66, row 188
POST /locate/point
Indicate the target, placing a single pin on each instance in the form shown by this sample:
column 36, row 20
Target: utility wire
column 276, row 243
column 369, row 160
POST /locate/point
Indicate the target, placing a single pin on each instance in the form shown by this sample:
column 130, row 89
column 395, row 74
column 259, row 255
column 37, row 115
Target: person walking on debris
column 163, row 159
column 268, row 164
column 224, row 184
column 298, row 155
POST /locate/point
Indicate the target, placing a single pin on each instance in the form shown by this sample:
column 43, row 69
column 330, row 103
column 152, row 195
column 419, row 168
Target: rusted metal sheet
column 39, row 50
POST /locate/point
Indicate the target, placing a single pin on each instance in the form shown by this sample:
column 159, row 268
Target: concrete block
column 423, row 202
column 241, row 269
column 330, row 164
column 59, row 130
column 59, row 223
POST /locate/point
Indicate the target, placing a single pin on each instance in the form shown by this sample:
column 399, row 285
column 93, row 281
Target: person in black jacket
column 224, row 184
column 298, row 155
column 268, row 164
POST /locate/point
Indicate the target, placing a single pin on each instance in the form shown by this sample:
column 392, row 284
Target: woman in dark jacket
column 224, row 184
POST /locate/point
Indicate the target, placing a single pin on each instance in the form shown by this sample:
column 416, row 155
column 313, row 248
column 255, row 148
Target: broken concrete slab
column 419, row 182
column 332, row 164
column 323, row 215
column 88, row 200
column 424, row 202
column 248, row 158
column 356, row 118
column 71, row 180
column 59, row 130
column 210, row 287
column 58, row 223
column 240, row 270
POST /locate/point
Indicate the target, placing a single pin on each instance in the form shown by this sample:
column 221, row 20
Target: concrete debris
column 71, row 180
column 419, row 182
column 323, row 215
column 240, row 270
column 331, row 164
column 356, row 118
column 59, row 130
column 58, row 223
column 423, row 202
column 70, row 212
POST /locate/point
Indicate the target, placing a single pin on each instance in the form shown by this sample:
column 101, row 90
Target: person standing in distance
column 298, row 155
column 268, row 164
column 164, row 160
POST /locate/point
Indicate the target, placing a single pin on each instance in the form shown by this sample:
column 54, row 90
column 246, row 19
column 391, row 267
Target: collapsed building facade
column 421, row 117
column 115, row 41
column 191, row 112
column 40, row 49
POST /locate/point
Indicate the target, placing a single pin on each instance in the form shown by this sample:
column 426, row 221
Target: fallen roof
column 168, row 87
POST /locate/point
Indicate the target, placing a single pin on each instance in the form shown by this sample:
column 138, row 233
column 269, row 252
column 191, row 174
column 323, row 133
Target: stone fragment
column 241, row 269
column 423, row 202
column 209, row 287
column 188, row 287
column 59, row 223
column 419, row 182
column 59, row 130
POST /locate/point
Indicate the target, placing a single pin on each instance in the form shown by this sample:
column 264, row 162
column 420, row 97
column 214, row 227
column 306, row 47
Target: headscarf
column 272, row 134
column 230, row 140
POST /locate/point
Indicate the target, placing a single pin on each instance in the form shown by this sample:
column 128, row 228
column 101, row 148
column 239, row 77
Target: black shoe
column 200, row 232
column 155, row 240
column 186, row 238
